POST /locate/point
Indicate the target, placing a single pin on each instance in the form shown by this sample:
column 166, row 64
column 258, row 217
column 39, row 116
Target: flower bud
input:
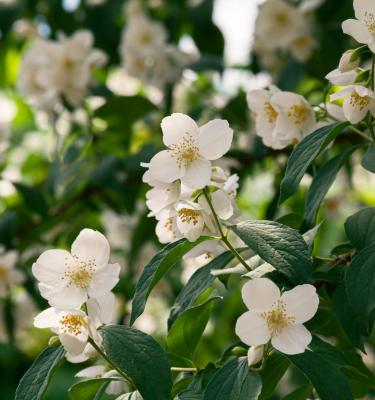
column 255, row 355
column 54, row 341
column 349, row 60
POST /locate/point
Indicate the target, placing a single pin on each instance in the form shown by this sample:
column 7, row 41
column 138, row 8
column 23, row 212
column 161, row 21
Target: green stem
column 104, row 356
column 223, row 237
column 181, row 369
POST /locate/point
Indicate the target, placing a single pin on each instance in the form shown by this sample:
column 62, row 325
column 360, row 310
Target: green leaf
column 89, row 389
column 322, row 365
column 368, row 161
column 304, row 154
column 186, row 332
column 159, row 265
column 195, row 391
column 275, row 368
column 351, row 322
column 35, row 381
column 234, row 381
column 197, row 284
column 33, row 198
column 302, row 393
column 282, row 247
column 360, row 282
column 141, row 357
column 320, row 185
column 360, row 227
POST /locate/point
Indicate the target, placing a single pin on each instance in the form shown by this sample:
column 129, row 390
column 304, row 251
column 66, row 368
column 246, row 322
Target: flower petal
column 163, row 167
column 215, row 139
column 257, row 98
column 222, row 204
column 198, row 174
column 252, row 329
column 51, row 265
column 48, row 318
column 301, row 302
column 189, row 221
column 91, row 245
column 73, row 344
column 260, row 294
column 64, row 298
column 104, row 281
column 363, row 6
column 357, row 30
column 101, row 310
column 292, row 340
column 176, row 126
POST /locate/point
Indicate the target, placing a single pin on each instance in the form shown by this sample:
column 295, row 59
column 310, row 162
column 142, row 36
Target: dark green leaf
column 302, row 393
column 234, row 381
column 154, row 271
column 304, row 154
column 281, row 246
column 320, row 185
column 351, row 322
column 33, row 198
column 275, row 368
column 195, row 391
column 322, row 364
column 360, row 282
column 88, row 390
column 141, row 357
column 34, row 383
column 186, row 332
column 197, row 284
column 368, row 161
column 360, row 227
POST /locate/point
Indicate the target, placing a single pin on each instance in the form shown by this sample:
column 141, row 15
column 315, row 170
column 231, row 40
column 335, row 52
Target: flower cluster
column 281, row 118
column 145, row 52
column 53, row 70
column 356, row 97
column 189, row 192
column 78, row 286
column 281, row 26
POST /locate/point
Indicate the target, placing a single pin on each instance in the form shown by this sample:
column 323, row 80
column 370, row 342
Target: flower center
column 80, row 274
column 185, row 151
column 144, row 38
column 188, row 215
column 369, row 21
column 298, row 113
column 72, row 324
column 270, row 112
column 277, row 318
column 358, row 101
column 3, row 273
column 282, row 18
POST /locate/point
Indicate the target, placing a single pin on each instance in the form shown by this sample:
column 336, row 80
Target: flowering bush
column 163, row 237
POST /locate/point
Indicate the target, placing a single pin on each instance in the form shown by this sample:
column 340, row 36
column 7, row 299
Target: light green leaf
column 304, row 154
column 197, row 284
column 234, row 381
column 141, row 357
column 186, row 332
column 35, row 382
column 320, row 185
column 282, row 247
column 360, row 227
column 322, row 365
column 368, row 161
column 160, row 264
column 360, row 283
column 90, row 389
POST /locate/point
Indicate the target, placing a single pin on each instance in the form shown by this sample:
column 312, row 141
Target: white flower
column 74, row 327
column 346, row 73
column 9, row 275
column 51, row 69
column 67, row 280
column 191, row 150
column 277, row 317
column 255, row 355
column 277, row 24
column 282, row 118
column 358, row 101
column 296, row 117
column 158, row 198
column 362, row 29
